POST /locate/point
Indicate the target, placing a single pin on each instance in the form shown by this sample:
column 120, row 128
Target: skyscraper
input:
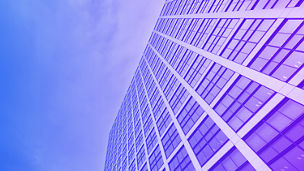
column 219, row 87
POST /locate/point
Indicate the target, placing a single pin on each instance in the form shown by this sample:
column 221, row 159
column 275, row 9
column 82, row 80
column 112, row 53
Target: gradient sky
column 65, row 68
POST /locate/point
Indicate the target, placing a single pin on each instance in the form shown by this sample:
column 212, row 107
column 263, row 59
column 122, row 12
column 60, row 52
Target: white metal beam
column 248, row 153
column 187, row 146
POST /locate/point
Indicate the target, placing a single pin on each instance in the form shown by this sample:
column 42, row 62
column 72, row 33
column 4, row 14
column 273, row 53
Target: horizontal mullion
column 279, row 86
column 175, row 122
column 249, row 154
column 155, row 126
column 267, row 13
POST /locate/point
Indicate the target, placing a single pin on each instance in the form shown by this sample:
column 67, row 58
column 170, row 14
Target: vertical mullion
column 277, row 85
column 155, row 125
column 192, row 155
column 142, row 128
column 248, row 153
column 133, row 129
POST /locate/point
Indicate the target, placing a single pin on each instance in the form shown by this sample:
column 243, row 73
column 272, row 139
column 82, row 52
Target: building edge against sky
column 220, row 86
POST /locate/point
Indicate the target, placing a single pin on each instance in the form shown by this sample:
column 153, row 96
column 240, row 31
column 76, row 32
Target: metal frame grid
column 219, row 87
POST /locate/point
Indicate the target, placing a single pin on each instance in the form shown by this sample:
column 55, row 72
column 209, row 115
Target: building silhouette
column 219, row 87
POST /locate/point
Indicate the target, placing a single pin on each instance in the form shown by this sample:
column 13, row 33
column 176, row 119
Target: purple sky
column 66, row 65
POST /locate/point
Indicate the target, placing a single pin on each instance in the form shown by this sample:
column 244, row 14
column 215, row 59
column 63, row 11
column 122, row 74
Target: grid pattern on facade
column 190, row 107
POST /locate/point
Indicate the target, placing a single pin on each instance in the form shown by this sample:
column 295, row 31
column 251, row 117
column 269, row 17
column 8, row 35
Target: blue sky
column 65, row 67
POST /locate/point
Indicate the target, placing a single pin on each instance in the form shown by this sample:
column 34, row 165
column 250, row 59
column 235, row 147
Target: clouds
column 67, row 67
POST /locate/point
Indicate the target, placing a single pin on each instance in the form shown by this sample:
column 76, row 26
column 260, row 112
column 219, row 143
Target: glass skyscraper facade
column 219, row 87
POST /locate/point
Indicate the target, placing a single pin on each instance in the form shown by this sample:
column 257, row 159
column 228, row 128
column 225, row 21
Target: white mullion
column 112, row 160
column 296, row 94
column 217, row 156
column 121, row 149
column 204, row 74
column 235, row 75
column 231, row 34
column 134, row 128
column 167, row 1
column 263, row 79
column 224, row 89
column 177, row 114
column 212, row 62
column 217, row 21
column 274, row 101
column 162, row 168
column 141, row 167
column 153, row 148
column 203, row 115
column 191, row 63
column 247, row 127
column 187, row 99
column 267, row 108
column 175, row 151
column 248, row 153
column 298, row 78
column 187, row 146
column 263, row 41
column 198, row 122
column 183, row 105
column 116, row 165
column 248, row 59
column 116, row 152
column 127, row 150
column 155, row 125
column 142, row 128
column 266, row 13
column 167, row 129
column 128, row 132
column 177, row 148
